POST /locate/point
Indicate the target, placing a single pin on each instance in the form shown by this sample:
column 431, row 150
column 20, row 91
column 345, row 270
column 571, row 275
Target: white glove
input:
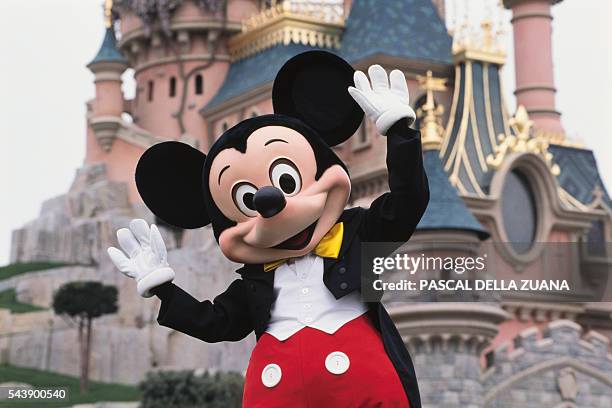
column 384, row 104
column 146, row 256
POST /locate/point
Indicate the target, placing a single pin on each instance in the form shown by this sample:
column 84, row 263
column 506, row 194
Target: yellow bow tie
column 328, row 247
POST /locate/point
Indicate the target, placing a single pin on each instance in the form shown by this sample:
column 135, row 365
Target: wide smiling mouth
column 299, row 240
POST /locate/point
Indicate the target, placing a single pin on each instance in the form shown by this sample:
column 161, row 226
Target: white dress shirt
column 303, row 300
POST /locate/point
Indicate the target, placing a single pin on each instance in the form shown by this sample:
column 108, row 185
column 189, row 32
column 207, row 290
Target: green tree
column 82, row 302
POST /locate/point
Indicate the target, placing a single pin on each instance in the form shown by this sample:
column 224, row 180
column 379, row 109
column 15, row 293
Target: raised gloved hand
column 146, row 256
column 386, row 101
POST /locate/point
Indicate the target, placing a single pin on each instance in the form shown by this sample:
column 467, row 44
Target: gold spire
column 500, row 20
column 431, row 129
column 489, row 41
column 108, row 13
column 522, row 141
column 483, row 44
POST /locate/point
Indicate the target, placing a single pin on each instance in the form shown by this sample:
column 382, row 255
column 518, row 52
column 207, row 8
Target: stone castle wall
column 557, row 367
column 449, row 377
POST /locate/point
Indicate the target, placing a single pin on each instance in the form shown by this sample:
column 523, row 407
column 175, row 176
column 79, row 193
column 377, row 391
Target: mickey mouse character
column 275, row 194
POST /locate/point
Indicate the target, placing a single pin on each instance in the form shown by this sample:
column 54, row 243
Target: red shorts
column 306, row 370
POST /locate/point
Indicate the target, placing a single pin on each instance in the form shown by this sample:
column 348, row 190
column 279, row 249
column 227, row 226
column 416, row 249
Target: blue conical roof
column 446, row 210
column 399, row 28
column 108, row 51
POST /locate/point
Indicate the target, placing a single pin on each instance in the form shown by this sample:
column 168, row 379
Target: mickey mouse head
column 271, row 186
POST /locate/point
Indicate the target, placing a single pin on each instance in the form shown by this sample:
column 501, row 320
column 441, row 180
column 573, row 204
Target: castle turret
column 178, row 53
column 180, row 59
column 107, row 107
column 535, row 85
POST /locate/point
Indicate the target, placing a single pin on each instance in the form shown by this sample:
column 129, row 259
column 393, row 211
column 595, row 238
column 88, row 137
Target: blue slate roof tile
column 579, row 174
column 446, row 210
column 256, row 70
column 108, row 50
column 400, row 28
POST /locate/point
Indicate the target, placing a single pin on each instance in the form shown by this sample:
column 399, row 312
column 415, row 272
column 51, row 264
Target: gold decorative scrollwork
column 312, row 23
column 522, row 141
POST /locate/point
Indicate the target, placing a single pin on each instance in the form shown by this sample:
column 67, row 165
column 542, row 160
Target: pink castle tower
column 535, row 85
column 179, row 59
column 179, row 54
column 107, row 107
column 107, row 143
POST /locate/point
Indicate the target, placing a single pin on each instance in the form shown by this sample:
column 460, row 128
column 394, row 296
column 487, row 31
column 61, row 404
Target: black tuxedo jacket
column 245, row 306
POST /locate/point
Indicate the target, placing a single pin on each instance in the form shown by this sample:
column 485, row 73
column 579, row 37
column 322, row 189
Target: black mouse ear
column 169, row 180
column 313, row 87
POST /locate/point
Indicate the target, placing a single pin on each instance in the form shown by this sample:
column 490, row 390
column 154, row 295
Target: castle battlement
column 558, row 362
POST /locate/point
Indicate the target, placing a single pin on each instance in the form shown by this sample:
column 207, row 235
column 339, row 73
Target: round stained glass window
column 519, row 212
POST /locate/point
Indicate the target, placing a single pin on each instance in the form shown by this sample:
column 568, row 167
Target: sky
column 44, row 84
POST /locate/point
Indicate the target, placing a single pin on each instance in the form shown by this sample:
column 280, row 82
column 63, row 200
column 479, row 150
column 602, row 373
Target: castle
column 500, row 183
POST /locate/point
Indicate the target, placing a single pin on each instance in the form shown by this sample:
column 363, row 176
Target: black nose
column 269, row 201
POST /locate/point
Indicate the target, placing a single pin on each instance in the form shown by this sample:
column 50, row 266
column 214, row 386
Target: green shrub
column 19, row 268
column 184, row 389
column 8, row 300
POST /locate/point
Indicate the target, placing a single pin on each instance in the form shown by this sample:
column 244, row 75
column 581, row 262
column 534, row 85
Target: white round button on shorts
column 337, row 362
column 271, row 375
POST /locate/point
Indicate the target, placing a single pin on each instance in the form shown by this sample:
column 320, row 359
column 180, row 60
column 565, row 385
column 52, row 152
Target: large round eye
column 285, row 175
column 243, row 194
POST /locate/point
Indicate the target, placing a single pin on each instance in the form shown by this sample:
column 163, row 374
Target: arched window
column 519, row 212
column 199, row 84
column 150, row 91
column 224, row 126
column 172, row 89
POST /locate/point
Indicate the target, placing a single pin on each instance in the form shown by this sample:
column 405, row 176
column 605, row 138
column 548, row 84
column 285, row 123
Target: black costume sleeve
column 393, row 216
column 224, row 319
